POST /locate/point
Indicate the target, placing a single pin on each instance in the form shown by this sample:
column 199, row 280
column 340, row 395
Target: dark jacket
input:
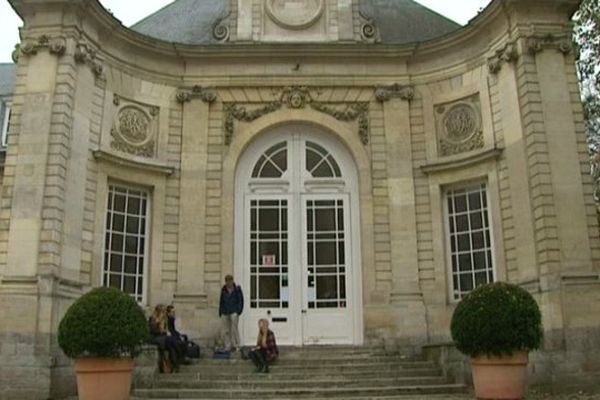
column 271, row 350
column 231, row 303
column 171, row 326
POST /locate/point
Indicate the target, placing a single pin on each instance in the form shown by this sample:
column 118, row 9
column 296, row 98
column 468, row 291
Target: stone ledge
column 134, row 162
column 461, row 161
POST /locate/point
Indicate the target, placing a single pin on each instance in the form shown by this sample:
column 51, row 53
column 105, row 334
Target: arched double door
column 297, row 250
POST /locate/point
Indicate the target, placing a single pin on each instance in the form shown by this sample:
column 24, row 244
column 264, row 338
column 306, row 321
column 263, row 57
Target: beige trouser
column 229, row 331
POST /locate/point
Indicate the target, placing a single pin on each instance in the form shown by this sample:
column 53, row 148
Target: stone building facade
column 358, row 166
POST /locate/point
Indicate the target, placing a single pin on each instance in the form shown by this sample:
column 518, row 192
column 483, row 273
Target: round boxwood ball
column 104, row 323
column 497, row 319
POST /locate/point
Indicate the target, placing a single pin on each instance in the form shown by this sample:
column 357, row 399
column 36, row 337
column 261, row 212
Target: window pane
column 326, row 253
column 469, row 239
column 125, row 240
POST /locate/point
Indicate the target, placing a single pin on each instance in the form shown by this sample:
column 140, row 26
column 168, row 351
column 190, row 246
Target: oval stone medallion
column 295, row 14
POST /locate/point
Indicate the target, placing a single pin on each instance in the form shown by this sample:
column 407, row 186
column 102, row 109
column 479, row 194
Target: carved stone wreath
column 298, row 97
column 459, row 127
column 133, row 132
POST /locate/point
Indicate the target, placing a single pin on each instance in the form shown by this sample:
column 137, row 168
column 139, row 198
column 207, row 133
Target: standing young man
column 231, row 306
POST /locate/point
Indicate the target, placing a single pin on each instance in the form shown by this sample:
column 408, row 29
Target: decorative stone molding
column 294, row 15
column 197, row 92
column 299, row 97
column 145, row 165
column 134, row 128
column 221, row 29
column 386, row 93
column 15, row 54
column 369, row 32
column 459, row 126
column 506, row 54
column 84, row 54
column 461, row 161
column 540, row 42
column 55, row 45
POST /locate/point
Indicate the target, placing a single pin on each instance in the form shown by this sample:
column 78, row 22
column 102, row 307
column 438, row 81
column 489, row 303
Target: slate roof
column 8, row 75
column 192, row 21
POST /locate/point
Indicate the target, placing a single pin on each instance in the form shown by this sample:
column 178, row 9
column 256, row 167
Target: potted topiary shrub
column 103, row 331
column 497, row 325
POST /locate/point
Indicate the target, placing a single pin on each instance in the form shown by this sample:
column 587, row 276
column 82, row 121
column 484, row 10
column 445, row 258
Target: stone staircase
column 306, row 373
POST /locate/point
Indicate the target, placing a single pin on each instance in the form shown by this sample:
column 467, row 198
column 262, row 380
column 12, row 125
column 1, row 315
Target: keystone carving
column 299, row 97
column 459, row 126
column 561, row 42
column 84, row 54
column 386, row 93
column 506, row 54
column 197, row 92
column 55, row 45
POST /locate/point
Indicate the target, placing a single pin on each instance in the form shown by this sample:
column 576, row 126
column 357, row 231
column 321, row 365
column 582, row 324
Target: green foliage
column 497, row 319
column 587, row 41
column 104, row 323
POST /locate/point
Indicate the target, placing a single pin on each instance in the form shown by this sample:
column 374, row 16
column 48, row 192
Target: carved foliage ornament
column 134, row 128
column 506, row 54
column 459, row 126
column 298, row 97
column 84, row 54
column 294, row 14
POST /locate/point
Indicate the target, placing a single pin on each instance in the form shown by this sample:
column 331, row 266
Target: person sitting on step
column 181, row 340
column 159, row 335
column 266, row 350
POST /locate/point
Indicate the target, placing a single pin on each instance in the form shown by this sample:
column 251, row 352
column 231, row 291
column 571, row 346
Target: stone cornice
column 461, row 160
column 134, row 162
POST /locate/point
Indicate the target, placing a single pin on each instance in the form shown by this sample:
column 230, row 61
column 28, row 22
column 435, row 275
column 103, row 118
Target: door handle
column 303, row 311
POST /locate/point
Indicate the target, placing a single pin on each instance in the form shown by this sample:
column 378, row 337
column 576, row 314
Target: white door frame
column 245, row 186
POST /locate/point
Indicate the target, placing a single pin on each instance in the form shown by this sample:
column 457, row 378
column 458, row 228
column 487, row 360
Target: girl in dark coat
column 266, row 350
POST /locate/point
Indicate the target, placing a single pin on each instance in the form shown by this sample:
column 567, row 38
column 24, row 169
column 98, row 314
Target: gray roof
column 185, row 21
column 406, row 21
column 8, row 75
column 192, row 21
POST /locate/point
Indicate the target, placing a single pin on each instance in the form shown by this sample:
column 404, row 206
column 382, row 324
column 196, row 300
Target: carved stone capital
column 506, row 54
column 386, row 93
column 560, row 42
column 197, row 92
column 55, row 45
column 84, row 54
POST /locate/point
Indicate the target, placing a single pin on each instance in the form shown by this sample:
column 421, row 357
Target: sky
column 130, row 12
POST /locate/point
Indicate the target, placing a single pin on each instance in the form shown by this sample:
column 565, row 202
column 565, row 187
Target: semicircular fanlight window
column 320, row 163
column 273, row 162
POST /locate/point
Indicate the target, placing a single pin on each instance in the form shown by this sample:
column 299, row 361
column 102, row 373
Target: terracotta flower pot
column 500, row 377
column 104, row 378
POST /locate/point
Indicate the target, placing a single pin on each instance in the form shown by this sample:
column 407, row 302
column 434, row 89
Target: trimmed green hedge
column 105, row 323
column 495, row 320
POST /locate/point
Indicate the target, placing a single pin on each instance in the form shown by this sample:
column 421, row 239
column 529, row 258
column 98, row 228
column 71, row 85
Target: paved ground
column 532, row 395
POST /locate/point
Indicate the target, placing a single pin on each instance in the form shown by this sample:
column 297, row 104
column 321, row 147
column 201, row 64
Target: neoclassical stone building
column 359, row 166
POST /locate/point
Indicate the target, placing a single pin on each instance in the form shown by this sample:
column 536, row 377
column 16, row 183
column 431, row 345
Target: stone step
column 267, row 382
column 284, row 363
column 277, row 374
column 299, row 393
column 286, row 358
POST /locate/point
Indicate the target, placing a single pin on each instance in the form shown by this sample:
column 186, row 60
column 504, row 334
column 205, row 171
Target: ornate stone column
column 192, row 212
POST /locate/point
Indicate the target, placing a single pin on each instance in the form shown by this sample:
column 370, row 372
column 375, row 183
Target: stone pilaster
column 406, row 295
column 194, row 159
